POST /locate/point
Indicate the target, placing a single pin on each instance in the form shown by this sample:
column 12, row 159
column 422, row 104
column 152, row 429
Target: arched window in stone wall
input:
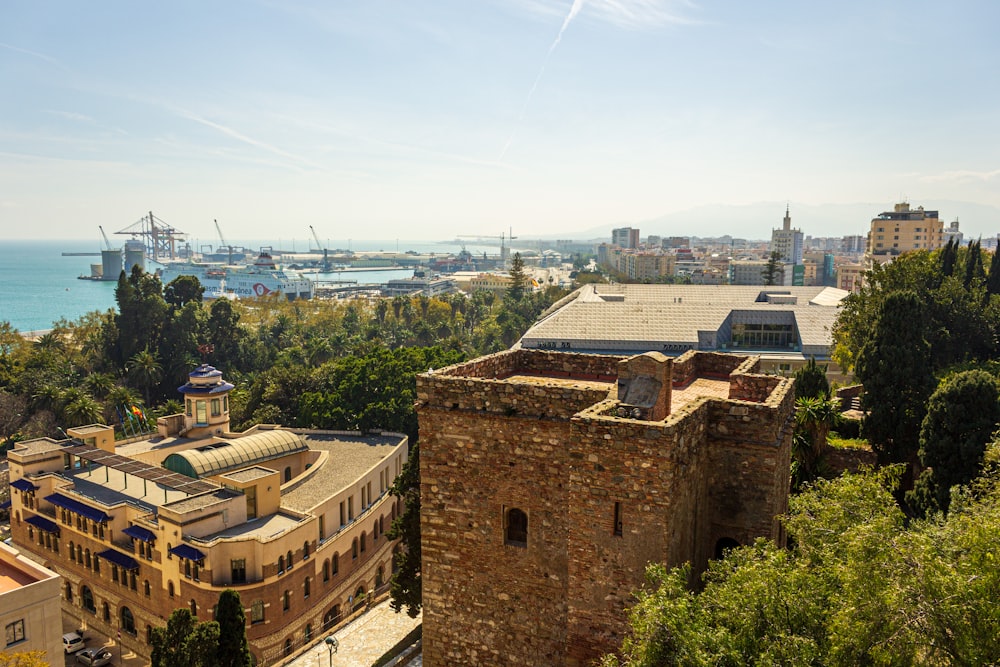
column 723, row 545
column 127, row 621
column 335, row 565
column 516, row 527
column 87, row 599
column 326, row 570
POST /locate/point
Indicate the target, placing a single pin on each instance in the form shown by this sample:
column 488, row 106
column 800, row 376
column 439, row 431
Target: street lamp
column 332, row 645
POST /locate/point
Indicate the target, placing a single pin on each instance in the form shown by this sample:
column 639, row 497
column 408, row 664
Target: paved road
column 363, row 641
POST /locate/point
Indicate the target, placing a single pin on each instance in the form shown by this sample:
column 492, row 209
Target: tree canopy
column 858, row 586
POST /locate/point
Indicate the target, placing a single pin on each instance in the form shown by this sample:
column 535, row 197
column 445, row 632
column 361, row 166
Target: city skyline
column 378, row 120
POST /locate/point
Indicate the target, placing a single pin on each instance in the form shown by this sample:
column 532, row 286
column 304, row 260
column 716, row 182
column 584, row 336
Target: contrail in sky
column 573, row 11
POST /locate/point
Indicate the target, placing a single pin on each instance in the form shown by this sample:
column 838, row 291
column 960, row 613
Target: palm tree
column 82, row 410
column 814, row 417
column 144, row 369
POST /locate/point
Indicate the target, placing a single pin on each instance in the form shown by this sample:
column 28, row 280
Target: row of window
column 125, row 617
column 516, row 525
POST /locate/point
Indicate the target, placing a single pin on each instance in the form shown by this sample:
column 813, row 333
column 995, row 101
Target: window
column 289, row 557
column 97, row 565
column 281, row 564
column 286, row 601
column 216, row 407
column 362, row 542
column 354, row 548
column 194, row 607
column 238, row 568
column 201, row 412
column 305, row 550
column 322, row 527
column 288, row 647
column 335, row 564
column 87, row 555
column 257, row 611
column 187, row 410
column 326, row 570
column 69, row 592
column 114, row 573
column 516, row 528
column 380, row 576
column 343, row 517
column 288, row 473
column 15, row 632
column 106, row 612
column 187, row 568
column 306, row 585
column 170, row 588
column 131, row 580
column 145, row 587
column 149, row 634
column 309, row 632
column 72, row 552
column 618, row 520
column 87, row 599
column 350, row 508
column 127, row 621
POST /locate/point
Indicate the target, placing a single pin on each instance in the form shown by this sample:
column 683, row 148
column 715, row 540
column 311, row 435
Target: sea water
column 38, row 286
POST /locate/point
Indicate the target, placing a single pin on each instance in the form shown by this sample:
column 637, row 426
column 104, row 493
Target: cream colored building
column 498, row 283
column 850, row 277
column 902, row 229
column 292, row 519
column 29, row 606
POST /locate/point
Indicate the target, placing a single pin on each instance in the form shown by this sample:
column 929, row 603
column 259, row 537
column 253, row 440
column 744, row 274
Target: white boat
column 261, row 278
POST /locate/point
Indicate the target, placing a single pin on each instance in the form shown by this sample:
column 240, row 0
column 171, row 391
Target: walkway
column 362, row 641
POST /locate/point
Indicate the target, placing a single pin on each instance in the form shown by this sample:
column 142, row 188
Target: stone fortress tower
column 550, row 480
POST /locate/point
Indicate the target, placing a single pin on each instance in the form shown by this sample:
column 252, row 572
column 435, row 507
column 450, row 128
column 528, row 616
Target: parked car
column 94, row 657
column 72, row 642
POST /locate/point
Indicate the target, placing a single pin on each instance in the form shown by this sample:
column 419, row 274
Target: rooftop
column 350, row 457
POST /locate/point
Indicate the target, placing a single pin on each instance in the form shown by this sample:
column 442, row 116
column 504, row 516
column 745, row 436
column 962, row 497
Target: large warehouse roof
column 676, row 318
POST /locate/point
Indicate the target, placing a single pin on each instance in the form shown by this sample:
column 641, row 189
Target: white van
column 72, row 642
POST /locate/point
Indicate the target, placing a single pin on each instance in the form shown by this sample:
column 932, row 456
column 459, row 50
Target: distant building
column 850, row 277
column 902, row 229
column 952, row 233
column 853, row 245
column 30, row 610
column 748, row 272
column 428, row 286
column 625, row 237
column 294, row 519
column 498, row 283
column 787, row 241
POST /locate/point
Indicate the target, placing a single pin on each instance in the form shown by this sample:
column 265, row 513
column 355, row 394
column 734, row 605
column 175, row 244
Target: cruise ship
column 261, row 278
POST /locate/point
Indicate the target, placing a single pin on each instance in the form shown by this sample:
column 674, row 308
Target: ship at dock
column 262, row 278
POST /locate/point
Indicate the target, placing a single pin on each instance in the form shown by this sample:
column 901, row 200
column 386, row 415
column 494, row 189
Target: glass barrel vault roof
column 233, row 455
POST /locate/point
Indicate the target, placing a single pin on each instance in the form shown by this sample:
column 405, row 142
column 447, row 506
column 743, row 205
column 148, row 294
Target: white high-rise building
column 787, row 241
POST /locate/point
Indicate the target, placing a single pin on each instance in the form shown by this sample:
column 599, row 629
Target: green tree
column 518, row 279
column 993, row 279
column 405, row 587
column 811, row 380
column 772, row 270
column 145, row 370
column 234, row 650
column 858, row 586
column 896, row 369
column 814, row 417
column 185, row 642
column 182, row 290
column 142, row 314
column 962, row 415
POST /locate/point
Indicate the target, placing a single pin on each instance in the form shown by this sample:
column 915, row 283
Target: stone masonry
column 544, row 496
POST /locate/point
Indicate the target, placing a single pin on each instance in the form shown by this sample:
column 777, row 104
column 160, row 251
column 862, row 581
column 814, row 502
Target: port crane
column 320, row 246
column 159, row 238
column 107, row 243
column 222, row 238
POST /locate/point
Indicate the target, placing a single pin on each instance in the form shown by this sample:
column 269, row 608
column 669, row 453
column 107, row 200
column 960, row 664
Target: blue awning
column 87, row 511
column 119, row 559
column 23, row 485
column 140, row 533
column 186, row 551
column 44, row 524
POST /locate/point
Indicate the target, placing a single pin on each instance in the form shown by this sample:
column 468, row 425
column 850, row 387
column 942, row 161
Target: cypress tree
column 233, row 648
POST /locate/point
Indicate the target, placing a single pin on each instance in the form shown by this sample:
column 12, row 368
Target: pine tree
column 772, row 269
column 518, row 279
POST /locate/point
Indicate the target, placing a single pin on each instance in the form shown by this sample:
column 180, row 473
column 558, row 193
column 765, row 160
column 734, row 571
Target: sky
column 425, row 120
